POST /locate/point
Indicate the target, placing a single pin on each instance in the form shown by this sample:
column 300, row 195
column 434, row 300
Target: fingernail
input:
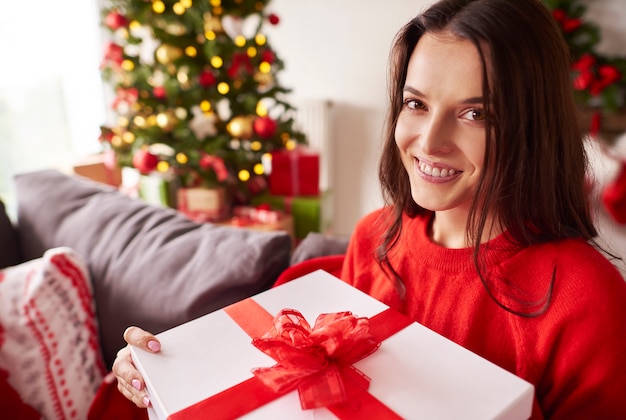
column 146, row 401
column 136, row 384
column 154, row 345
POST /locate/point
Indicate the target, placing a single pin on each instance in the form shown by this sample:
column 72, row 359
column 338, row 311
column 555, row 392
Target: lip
column 435, row 179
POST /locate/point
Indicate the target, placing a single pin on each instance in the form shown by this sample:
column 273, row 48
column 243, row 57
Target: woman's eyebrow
column 467, row 101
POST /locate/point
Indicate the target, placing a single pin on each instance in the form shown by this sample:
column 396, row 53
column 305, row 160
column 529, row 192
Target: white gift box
column 416, row 372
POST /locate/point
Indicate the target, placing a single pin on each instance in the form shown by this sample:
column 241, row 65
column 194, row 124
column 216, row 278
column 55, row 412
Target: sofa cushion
column 49, row 347
column 9, row 249
column 150, row 266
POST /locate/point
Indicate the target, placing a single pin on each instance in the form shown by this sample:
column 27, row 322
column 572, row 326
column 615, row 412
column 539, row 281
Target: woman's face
column 440, row 131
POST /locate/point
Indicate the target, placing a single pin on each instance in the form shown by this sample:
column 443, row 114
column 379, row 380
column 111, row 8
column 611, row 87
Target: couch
column 83, row 261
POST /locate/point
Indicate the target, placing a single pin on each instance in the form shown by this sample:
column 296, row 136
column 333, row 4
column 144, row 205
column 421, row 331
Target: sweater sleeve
column 584, row 342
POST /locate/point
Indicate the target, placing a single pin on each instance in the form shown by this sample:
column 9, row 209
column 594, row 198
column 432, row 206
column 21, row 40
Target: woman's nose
column 436, row 135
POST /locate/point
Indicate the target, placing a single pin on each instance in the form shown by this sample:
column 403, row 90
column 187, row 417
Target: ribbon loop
column 313, row 359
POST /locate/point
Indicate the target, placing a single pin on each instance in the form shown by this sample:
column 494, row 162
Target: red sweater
column 574, row 353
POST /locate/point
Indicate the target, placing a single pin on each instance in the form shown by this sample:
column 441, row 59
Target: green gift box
column 158, row 189
column 310, row 213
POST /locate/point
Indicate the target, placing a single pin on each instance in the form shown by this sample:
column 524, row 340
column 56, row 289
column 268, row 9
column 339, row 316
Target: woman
column 485, row 236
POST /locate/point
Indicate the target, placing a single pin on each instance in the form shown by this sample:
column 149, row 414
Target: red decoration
column 240, row 64
column 145, row 161
column 593, row 77
column 113, row 53
column 268, row 56
column 568, row 24
column 216, row 164
column 257, row 184
column 273, row 19
column 125, row 96
column 265, row 127
column 607, row 75
column 206, row 79
column 115, row 20
column 596, row 120
column 159, row 92
column 106, row 136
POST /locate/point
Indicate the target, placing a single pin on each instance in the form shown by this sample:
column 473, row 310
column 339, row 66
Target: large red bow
column 316, row 360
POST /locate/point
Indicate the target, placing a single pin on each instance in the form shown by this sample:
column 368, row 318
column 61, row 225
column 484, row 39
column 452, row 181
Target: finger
column 109, row 378
column 129, row 380
column 140, row 399
column 143, row 339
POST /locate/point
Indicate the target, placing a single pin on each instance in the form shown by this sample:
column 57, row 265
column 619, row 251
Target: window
column 51, row 93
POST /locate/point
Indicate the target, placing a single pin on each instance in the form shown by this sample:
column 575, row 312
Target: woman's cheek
column 402, row 134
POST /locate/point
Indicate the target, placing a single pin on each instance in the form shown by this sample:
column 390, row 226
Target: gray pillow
column 9, row 248
column 318, row 245
column 150, row 266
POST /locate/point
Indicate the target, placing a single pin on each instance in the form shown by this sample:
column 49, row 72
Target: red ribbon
column 312, row 359
column 253, row 393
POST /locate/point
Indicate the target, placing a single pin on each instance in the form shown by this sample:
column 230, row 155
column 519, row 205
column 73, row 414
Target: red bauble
column 115, row 21
column 206, row 79
column 265, row 127
column 273, row 19
column 159, row 92
column 145, row 161
column 268, row 55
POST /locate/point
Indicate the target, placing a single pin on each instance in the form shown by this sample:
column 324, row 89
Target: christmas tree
column 599, row 81
column 196, row 91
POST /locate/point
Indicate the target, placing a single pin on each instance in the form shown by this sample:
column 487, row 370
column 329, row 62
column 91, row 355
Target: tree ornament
column 144, row 161
column 113, row 54
column 216, row 164
column 207, row 79
column 159, row 92
column 273, row 19
column 203, row 123
column 114, row 20
column 268, row 56
column 240, row 127
column 265, row 127
column 166, row 54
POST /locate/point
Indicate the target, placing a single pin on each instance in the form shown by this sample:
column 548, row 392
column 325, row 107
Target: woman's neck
column 449, row 229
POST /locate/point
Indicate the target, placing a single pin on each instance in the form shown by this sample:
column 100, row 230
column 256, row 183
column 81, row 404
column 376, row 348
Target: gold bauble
column 165, row 54
column 241, row 127
column 264, row 79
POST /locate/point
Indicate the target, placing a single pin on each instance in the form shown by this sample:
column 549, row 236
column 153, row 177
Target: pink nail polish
column 136, row 383
column 146, row 401
column 154, row 345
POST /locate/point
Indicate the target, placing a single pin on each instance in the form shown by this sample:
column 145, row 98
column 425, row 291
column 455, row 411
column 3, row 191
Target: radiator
column 312, row 117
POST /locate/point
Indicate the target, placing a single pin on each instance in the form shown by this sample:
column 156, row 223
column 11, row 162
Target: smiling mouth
column 436, row 172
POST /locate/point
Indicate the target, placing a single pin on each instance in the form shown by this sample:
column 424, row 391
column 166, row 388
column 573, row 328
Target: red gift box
column 295, row 172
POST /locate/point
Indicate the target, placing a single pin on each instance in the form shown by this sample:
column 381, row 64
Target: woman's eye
column 475, row 115
column 414, row 104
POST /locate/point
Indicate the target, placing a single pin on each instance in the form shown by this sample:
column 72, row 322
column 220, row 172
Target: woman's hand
column 129, row 381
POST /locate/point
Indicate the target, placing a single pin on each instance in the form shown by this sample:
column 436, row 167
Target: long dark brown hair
column 535, row 151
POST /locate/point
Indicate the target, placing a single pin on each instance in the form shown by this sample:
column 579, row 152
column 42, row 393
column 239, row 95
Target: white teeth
column 436, row 172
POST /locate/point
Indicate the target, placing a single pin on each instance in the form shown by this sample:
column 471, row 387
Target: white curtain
column 51, row 95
